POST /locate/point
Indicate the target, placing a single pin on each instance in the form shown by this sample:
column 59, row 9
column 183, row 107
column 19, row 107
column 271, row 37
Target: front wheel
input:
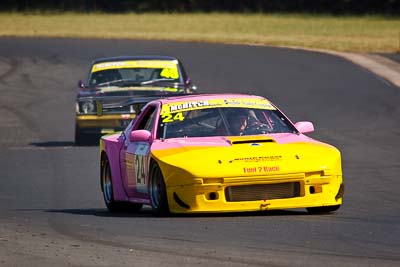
column 324, row 209
column 158, row 192
column 79, row 136
column 108, row 195
column 85, row 137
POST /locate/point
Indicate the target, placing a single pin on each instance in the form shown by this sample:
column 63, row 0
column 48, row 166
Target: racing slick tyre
column 108, row 195
column 84, row 138
column 158, row 192
column 79, row 136
column 325, row 209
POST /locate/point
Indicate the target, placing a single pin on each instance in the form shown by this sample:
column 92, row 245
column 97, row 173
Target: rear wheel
column 321, row 210
column 158, row 192
column 108, row 194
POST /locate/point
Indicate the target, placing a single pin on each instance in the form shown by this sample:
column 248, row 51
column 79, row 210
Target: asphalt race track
column 51, row 208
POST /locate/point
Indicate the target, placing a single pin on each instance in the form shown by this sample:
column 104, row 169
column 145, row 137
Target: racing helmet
column 237, row 120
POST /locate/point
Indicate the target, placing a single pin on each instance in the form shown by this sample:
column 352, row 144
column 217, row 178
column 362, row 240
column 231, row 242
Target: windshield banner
column 217, row 103
column 151, row 64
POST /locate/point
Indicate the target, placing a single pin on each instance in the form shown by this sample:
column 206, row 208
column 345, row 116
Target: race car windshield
column 223, row 122
column 134, row 77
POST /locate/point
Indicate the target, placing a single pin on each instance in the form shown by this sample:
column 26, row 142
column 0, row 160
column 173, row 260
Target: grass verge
column 344, row 33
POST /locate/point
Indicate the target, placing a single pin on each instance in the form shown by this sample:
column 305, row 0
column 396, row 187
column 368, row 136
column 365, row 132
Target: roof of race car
column 125, row 58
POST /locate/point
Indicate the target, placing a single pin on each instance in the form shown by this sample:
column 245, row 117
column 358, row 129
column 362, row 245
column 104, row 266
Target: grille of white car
column 262, row 192
column 118, row 110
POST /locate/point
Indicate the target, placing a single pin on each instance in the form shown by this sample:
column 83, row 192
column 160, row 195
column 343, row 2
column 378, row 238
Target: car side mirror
column 304, row 126
column 81, row 84
column 140, row 136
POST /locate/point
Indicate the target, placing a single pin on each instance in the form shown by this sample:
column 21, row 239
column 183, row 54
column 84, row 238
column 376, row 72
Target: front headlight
column 87, row 107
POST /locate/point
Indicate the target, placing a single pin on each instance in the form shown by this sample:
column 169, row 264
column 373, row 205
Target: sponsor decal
column 170, row 65
column 136, row 88
column 218, row 103
column 140, row 154
column 252, row 103
column 264, row 204
column 172, row 117
column 108, row 65
column 257, row 159
column 188, row 105
column 170, row 73
column 140, row 170
column 261, row 169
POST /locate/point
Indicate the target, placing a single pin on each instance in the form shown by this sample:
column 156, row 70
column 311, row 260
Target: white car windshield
column 131, row 76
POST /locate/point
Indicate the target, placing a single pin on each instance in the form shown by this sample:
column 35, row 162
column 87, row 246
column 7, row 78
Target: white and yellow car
column 104, row 103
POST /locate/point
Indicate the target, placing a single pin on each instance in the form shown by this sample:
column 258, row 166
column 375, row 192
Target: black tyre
column 78, row 139
column 108, row 195
column 321, row 210
column 79, row 136
column 85, row 138
column 158, row 192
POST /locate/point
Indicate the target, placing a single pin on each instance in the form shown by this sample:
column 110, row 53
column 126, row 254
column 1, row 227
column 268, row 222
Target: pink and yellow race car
column 218, row 153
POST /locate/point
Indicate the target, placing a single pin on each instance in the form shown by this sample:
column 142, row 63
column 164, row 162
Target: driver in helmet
column 242, row 121
column 237, row 120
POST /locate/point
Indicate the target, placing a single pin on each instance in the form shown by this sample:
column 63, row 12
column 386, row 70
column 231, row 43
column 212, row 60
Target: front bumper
column 213, row 195
column 103, row 123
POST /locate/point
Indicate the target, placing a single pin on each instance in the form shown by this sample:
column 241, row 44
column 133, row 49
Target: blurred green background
column 341, row 25
column 388, row 7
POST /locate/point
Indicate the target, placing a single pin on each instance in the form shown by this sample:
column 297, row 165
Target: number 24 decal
column 172, row 117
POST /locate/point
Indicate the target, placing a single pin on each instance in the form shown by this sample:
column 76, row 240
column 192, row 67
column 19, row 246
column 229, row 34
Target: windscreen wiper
column 157, row 80
column 124, row 81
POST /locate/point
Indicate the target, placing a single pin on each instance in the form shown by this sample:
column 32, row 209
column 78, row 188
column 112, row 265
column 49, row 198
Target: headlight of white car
column 87, row 107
